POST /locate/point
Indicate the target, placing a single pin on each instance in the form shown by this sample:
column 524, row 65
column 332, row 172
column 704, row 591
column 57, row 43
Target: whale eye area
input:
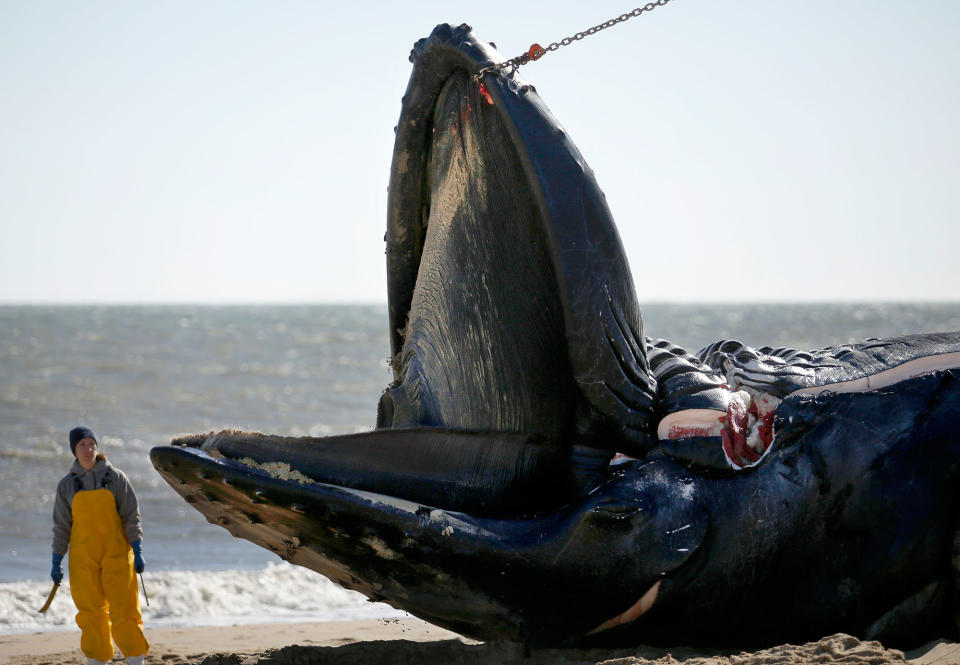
column 617, row 509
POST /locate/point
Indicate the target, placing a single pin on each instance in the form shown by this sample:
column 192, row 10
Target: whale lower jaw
column 343, row 534
column 515, row 577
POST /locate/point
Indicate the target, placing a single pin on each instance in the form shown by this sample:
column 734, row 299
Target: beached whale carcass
column 542, row 471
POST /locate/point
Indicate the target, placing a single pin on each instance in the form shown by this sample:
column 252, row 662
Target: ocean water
column 140, row 375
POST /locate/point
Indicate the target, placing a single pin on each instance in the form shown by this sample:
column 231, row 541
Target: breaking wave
column 280, row 592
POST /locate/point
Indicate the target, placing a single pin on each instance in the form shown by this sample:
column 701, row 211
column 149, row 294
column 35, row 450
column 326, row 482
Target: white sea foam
column 278, row 593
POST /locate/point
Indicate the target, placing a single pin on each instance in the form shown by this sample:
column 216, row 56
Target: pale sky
column 239, row 151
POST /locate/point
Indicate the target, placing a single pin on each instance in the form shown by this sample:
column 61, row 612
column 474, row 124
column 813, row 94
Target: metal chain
column 536, row 51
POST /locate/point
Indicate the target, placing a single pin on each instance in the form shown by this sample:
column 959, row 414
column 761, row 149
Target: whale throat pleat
column 485, row 328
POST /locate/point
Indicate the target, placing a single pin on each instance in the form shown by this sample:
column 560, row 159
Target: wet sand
column 408, row 641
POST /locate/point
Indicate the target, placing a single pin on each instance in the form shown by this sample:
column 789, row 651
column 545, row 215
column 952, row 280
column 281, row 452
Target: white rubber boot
column 135, row 660
column 94, row 661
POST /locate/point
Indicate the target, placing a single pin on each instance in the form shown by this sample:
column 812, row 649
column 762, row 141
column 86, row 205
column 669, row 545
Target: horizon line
column 367, row 303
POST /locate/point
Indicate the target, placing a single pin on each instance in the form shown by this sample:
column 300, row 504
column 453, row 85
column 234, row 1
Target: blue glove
column 56, row 573
column 137, row 556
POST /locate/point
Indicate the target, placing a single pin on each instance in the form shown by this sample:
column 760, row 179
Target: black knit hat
column 77, row 434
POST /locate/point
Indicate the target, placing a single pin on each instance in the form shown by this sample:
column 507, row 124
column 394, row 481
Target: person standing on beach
column 97, row 516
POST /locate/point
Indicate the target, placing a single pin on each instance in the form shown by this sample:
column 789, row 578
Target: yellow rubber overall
column 102, row 580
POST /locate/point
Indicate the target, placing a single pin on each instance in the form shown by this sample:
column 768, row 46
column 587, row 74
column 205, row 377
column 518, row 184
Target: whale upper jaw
column 520, row 579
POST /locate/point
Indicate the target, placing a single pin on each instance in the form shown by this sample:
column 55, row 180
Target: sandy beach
column 411, row 641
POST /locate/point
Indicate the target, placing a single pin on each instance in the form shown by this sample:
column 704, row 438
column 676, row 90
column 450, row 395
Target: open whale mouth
column 519, row 370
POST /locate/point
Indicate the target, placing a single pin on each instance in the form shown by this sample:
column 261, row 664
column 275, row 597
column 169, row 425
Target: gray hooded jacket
column 103, row 475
